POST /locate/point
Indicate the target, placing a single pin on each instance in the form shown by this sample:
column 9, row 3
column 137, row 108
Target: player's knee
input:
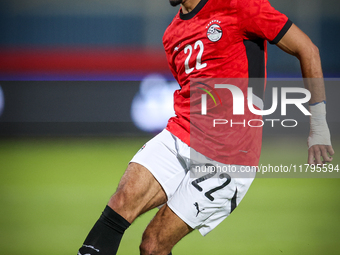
column 151, row 245
column 123, row 198
column 123, row 203
column 148, row 248
column 118, row 199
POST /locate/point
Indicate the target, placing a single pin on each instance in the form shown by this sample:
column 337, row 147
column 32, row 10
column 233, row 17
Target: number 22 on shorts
column 208, row 176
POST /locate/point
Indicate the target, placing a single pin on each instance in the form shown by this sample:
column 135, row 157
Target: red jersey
column 221, row 39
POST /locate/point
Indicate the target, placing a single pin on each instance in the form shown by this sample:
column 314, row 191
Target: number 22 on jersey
column 188, row 50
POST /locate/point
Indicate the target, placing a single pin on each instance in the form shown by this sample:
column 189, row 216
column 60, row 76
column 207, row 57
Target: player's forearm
column 312, row 72
column 298, row 44
column 313, row 79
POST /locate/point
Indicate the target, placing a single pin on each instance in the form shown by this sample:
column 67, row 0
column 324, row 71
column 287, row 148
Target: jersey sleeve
column 258, row 19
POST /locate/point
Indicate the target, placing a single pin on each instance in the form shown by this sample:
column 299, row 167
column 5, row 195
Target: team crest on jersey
column 214, row 32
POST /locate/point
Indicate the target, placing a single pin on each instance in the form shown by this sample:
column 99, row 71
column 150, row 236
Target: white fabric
column 319, row 132
column 168, row 159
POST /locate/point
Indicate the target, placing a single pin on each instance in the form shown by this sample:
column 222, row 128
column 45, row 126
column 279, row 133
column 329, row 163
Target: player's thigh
column 166, row 157
column 152, row 177
column 138, row 191
column 163, row 232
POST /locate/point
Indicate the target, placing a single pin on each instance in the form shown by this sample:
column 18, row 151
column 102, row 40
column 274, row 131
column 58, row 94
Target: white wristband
column 319, row 132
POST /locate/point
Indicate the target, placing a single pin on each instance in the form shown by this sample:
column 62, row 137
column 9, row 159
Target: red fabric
column 238, row 20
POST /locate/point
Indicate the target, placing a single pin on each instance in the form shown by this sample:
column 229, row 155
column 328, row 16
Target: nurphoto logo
column 244, row 101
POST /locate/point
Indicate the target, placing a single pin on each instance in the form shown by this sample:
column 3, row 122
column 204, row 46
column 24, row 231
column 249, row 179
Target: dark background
column 73, row 68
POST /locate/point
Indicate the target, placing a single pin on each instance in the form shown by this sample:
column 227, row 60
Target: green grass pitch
column 53, row 190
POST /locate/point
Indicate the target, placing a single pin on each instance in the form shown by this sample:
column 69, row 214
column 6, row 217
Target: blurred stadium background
column 74, row 110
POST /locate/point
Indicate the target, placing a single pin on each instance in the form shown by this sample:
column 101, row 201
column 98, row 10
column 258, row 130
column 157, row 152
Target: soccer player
column 207, row 39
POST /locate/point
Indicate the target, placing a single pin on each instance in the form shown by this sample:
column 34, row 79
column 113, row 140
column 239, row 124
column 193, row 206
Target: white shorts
column 200, row 201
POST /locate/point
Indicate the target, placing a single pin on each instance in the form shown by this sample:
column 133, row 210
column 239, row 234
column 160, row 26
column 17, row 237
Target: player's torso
column 212, row 44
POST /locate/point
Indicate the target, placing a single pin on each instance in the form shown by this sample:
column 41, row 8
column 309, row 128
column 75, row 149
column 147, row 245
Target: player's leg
column 200, row 202
column 163, row 232
column 147, row 183
column 138, row 192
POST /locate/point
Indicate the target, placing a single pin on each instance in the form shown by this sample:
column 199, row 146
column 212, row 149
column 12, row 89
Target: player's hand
column 320, row 154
